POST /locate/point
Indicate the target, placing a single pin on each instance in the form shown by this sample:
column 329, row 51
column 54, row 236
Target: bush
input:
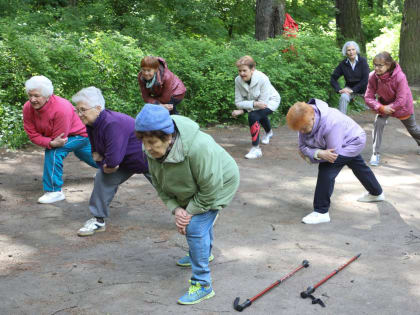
column 110, row 61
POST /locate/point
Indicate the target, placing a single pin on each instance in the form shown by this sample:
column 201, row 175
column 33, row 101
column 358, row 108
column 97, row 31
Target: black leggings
column 255, row 118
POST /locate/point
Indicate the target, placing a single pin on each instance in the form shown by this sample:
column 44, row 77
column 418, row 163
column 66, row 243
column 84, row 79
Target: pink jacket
column 167, row 85
column 391, row 89
column 57, row 116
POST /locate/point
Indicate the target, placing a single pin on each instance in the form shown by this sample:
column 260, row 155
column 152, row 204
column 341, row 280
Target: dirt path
column 130, row 269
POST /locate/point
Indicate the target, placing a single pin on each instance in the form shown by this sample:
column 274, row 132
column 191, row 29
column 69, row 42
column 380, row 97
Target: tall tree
column 277, row 18
column 349, row 26
column 410, row 41
column 269, row 18
column 263, row 11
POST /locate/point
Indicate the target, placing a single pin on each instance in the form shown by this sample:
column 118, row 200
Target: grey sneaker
column 375, row 159
column 91, row 227
column 366, row 197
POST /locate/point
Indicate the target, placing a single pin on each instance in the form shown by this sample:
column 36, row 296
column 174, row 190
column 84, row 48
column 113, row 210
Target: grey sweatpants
column 105, row 188
column 345, row 100
column 379, row 125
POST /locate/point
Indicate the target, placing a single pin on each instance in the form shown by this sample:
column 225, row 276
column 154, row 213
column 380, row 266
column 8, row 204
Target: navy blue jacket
column 356, row 79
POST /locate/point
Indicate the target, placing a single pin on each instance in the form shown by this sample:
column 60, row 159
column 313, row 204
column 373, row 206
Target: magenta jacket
column 332, row 130
column 167, row 86
column 57, row 116
column 391, row 88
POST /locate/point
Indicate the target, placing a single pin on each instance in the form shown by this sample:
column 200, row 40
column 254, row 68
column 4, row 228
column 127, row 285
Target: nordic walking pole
column 311, row 289
column 248, row 302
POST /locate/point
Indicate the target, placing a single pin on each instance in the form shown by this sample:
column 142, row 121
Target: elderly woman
column 116, row 150
column 333, row 140
column 255, row 94
column 159, row 85
column 51, row 123
column 388, row 94
column 195, row 177
column 355, row 70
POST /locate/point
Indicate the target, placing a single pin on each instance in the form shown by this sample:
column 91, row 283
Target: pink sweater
column 57, row 116
column 391, row 90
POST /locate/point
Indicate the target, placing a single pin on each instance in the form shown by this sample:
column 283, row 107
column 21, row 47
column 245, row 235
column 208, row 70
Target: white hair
column 350, row 43
column 91, row 95
column 41, row 83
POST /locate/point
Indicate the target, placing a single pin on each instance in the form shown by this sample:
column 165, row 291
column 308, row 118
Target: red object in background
column 290, row 27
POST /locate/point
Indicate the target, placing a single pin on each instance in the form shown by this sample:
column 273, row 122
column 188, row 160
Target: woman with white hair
column 116, row 150
column 50, row 122
column 355, row 70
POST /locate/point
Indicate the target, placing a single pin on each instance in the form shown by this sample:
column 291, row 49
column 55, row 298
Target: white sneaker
column 254, row 153
column 375, row 159
column 316, row 217
column 267, row 137
column 51, row 197
column 91, row 227
column 366, row 197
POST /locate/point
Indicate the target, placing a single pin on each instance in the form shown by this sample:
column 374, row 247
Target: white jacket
column 260, row 89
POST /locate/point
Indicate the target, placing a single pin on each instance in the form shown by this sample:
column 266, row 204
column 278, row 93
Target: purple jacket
column 332, row 130
column 391, row 89
column 112, row 136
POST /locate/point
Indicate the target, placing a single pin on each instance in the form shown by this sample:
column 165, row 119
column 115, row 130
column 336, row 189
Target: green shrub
column 110, row 61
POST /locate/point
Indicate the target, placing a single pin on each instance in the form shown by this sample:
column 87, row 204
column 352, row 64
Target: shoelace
column 194, row 288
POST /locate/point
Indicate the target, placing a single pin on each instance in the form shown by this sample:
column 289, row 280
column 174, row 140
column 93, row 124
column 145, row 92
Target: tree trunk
column 263, row 11
column 348, row 23
column 410, row 41
column 277, row 18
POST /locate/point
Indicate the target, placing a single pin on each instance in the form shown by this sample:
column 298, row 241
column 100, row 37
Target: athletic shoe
column 375, row 159
column 254, row 153
column 366, row 197
column 186, row 261
column 267, row 137
column 196, row 294
column 91, row 227
column 316, row 217
column 51, row 197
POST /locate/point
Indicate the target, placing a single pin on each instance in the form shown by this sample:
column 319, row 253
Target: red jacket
column 391, row 89
column 57, row 116
column 167, row 85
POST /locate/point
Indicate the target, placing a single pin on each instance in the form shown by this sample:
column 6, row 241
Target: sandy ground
column 45, row 268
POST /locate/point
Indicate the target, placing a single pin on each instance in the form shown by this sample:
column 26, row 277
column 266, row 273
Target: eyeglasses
column 82, row 111
column 378, row 66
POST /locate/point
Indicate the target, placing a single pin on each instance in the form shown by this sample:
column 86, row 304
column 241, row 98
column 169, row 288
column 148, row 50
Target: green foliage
column 106, row 60
column 208, row 70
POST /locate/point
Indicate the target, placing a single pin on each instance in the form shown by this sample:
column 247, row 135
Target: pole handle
column 241, row 307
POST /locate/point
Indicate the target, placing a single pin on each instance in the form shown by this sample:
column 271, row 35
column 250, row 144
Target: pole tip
column 305, row 263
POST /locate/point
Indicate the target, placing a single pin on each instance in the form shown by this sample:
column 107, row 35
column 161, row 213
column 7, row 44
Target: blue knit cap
column 154, row 117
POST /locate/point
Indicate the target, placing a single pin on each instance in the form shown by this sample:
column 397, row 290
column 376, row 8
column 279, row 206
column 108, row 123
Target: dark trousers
column 255, row 118
column 175, row 102
column 327, row 172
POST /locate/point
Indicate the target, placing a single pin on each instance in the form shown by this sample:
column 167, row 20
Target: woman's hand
column 237, row 112
column 169, row 107
column 110, row 170
column 387, row 110
column 328, row 155
column 260, row 105
column 97, row 157
column 59, row 141
column 182, row 219
column 346, row 90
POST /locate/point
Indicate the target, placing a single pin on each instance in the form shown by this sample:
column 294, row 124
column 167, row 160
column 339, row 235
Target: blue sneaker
column 186, row 261
column 196, row 293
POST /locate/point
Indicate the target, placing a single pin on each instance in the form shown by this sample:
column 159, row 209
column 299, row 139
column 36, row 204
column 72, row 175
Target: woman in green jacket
column 195, row 177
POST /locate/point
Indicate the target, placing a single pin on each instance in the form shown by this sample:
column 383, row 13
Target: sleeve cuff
column 316, row 155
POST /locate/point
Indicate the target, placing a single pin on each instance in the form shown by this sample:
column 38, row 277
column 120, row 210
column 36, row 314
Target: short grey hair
column 350, row 43
column 91, row 95
column 41, row 83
